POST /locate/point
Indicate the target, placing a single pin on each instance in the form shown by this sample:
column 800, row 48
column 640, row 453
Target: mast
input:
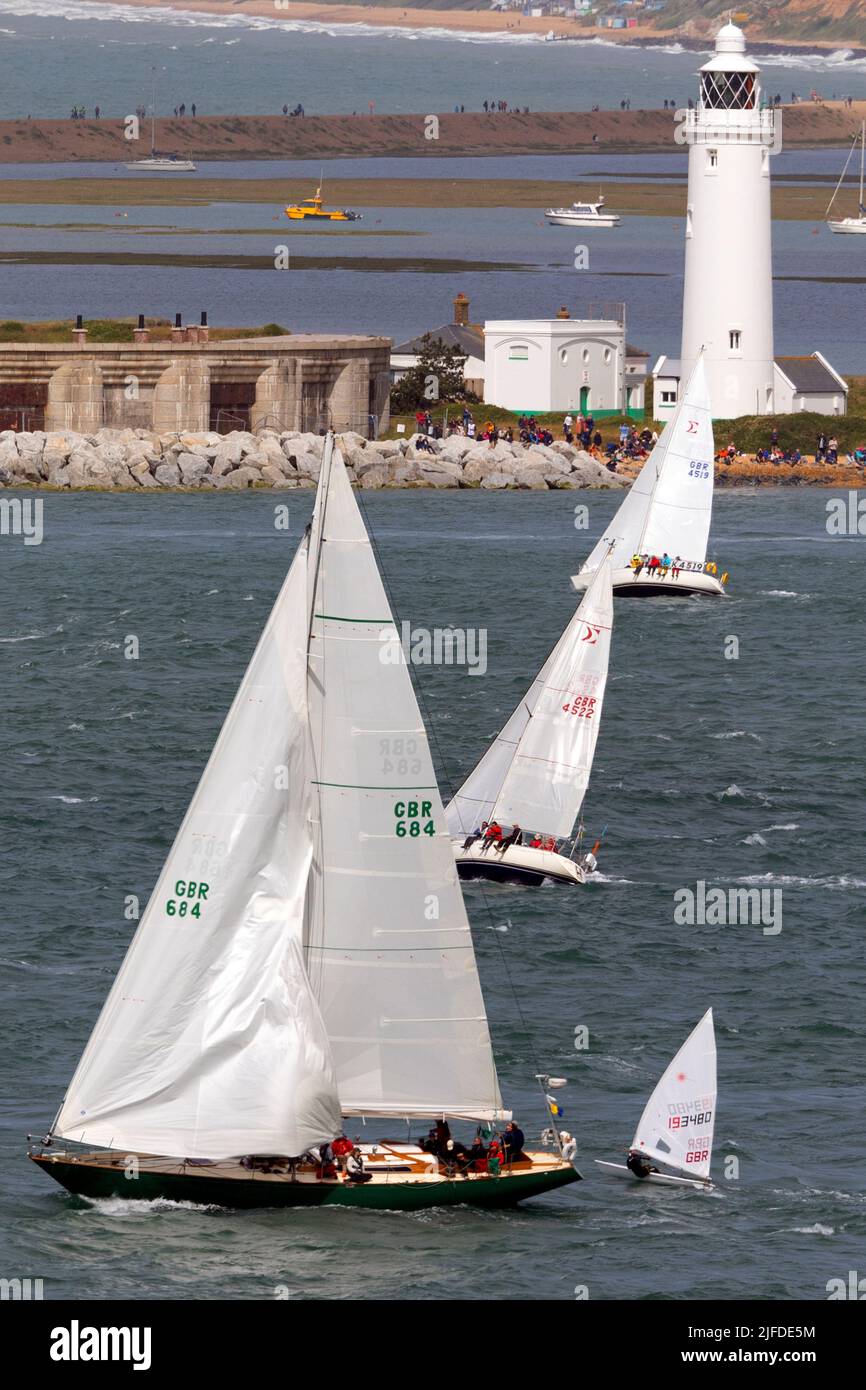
column 153, row 116
column 862, row 160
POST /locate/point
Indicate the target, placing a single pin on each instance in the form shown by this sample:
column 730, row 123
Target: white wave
column 30, row 637
column 794, row 825
column 816, row 1230
column 72, row 800
column 731, row 793
column 127, row 1206
column 828, row 881
column 755, row 839
column 75, row 727
column 781, row 593
column 738, row 733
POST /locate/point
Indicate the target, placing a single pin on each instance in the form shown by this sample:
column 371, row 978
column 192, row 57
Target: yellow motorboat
column 312, row 208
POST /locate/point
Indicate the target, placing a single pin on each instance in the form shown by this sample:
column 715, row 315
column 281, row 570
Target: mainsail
column 388, row 945
column 306, row 947
column 536, row 771
column 678, row 1123
column 211, row 1043
column 669, row 505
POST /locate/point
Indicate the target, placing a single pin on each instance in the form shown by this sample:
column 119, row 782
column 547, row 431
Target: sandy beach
column 695, row 34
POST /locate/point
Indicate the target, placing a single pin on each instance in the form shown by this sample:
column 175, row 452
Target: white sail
column 670, row 503
column 678, row 1123
column 210, row 1043
column 536, row 771
column 389, row 950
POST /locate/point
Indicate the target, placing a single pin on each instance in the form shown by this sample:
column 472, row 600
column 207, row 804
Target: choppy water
column 57, row 53
column 746, row 772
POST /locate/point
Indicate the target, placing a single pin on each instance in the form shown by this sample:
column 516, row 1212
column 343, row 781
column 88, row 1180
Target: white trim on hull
column 650, row 586
column 518, row 863
column 619, row 1170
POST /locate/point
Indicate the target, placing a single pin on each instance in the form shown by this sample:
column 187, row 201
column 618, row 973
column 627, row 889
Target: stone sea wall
column 131, row 459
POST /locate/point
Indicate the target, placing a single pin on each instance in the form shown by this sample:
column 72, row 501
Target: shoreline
column 204, row 139
column 493, row 23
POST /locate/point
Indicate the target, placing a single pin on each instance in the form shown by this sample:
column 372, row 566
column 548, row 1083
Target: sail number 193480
column 188, row 899
column 413, row 818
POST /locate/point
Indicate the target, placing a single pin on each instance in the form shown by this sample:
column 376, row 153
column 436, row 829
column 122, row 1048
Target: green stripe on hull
column 86, row 1181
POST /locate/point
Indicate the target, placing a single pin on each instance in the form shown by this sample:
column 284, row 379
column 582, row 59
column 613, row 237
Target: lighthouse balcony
column 704, row 125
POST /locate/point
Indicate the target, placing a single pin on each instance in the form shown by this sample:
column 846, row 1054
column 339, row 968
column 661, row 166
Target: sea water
column 734, row 771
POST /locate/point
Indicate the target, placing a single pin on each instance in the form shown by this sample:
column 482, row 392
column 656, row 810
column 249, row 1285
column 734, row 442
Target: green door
column 584, row 399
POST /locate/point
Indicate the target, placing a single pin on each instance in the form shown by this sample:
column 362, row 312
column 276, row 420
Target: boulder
column 141, row 474
column 167, row 475
column 374, row 478
column 531, row 478
column 439, row 477
column 241, row 477
column 276, row 477
column 192, row 468
column 498, row 480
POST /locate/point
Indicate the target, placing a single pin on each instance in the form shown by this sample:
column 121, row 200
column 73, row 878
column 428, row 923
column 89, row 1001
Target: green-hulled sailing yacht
column 305, row 963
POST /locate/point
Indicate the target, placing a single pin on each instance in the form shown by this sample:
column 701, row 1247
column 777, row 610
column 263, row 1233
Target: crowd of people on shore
column 630, row 444
column 826, row 451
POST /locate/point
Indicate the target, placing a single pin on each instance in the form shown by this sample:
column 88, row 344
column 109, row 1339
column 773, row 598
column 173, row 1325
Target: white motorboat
column 583, row 215
column 667, row 511
column 535, row 773
column 676, row 1127
column 851, row 224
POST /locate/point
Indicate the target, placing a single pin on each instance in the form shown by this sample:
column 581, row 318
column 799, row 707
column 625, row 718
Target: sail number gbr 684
column 413, row 818
column 188, row 898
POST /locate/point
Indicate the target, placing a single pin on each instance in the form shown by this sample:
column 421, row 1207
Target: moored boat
column 313, row 209
column 583, row 215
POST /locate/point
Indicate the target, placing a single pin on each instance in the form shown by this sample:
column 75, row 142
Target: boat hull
column 564, row 219
column 97, row 1176
column 517, row 864
column 619, row 1170
column 849, row 224
column 689, row 584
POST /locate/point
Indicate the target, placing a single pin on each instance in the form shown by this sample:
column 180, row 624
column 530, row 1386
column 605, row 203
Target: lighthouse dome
column 730, row 39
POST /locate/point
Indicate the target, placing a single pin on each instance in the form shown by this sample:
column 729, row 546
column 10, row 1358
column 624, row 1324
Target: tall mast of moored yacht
column 862, row 161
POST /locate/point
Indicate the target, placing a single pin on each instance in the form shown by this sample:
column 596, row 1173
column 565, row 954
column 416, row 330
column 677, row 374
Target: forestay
column 669, row 506
column 210, row 1043
column 536, row 772
column 389, row 949
column 678, row 1123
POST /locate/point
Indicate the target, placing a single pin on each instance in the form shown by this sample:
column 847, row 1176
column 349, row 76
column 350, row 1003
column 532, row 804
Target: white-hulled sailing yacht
column 287, row 979
column 535, row 773
column 851, row 224
column 677, row 1125
column 667, row 510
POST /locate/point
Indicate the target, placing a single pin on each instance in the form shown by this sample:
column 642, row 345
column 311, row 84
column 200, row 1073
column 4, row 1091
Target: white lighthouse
column 728, row 287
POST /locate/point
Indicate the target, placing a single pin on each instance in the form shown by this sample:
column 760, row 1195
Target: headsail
column 210, row 1043
column 536, row 771
column 389, row 950
column 678, row 1123
column 669, row 505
